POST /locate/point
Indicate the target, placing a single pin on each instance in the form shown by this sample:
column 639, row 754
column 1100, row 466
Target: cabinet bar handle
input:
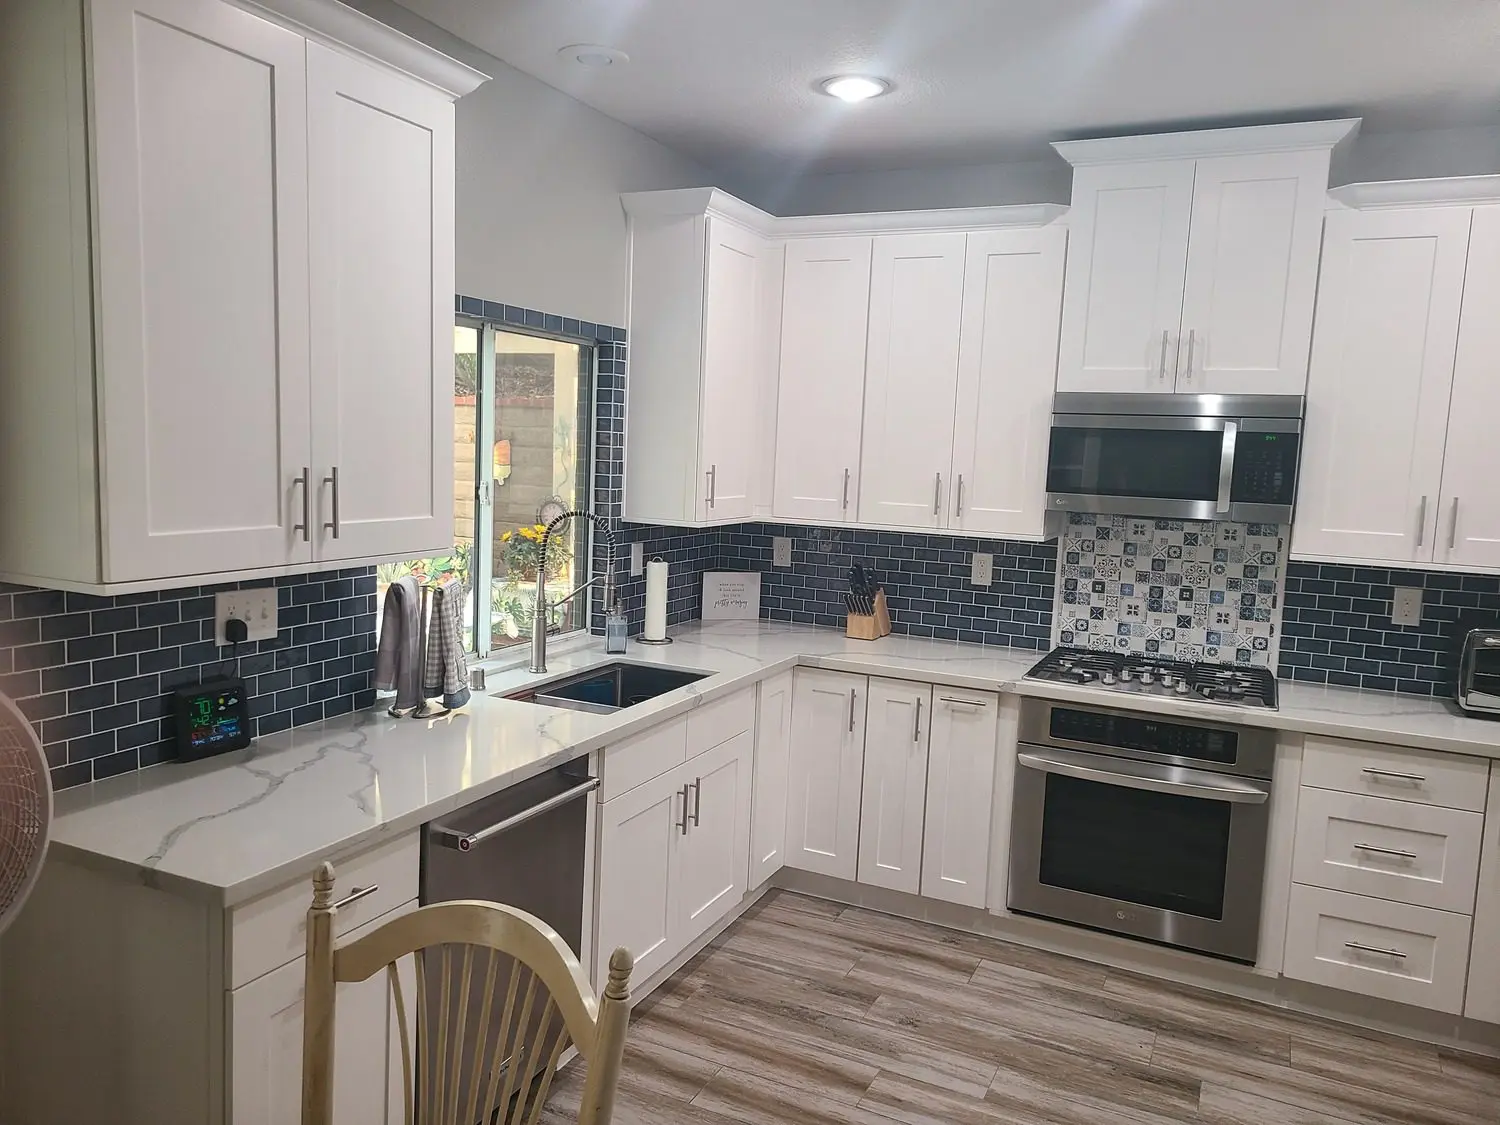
column 1453, row 527
column 937, row 493
column 1360, row 948
column 960, row 702
column 697, row 799
column 333, row 479
column 958, row 507
column 846, row 490
column 305, row 480
column 713, row 483
column 683, row 823
column 1187, row 374
column 1422, row 521
column 1393, row 775
column 1394, row 853
column 1161, row 371
column 851, row 709
column 916, row 727
column 355, row 895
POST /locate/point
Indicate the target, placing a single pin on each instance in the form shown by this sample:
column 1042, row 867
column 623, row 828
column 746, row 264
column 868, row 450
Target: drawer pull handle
column 355, row 895
column 1359, row 948
column 1394, row 775
column 960, row 702
column 1394, row 853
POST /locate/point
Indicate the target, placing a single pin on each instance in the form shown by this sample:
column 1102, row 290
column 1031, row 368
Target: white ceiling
column 731, row 82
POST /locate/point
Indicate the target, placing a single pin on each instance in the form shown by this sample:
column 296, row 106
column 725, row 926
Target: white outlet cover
column 256, row 608
column 637, row 559
column 982, row 571
column 781, row 551
column 1406, row 608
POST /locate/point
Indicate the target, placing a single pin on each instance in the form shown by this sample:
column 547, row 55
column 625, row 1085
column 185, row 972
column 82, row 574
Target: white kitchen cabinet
column 1193, row 259
column 962, row 745
column 825, row 315
column 714, row 856
column 1378, row 388
column 911, row 378
column 381, row 214
column 265, row 1036
column 1007, row 368
column 1483, row 996
column 639, row 838
column 893, row 802
column 248, row 277
column 1468, row 517
column 825, row 772
column 773, row 744
column 703, row 302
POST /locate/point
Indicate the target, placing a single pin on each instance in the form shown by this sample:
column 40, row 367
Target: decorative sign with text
column 730, row 596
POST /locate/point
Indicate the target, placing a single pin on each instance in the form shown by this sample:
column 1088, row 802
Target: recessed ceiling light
column 593, row 55
column 854, row 88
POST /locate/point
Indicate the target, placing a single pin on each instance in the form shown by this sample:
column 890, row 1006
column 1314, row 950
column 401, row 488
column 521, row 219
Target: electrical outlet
column 983, row 569
column 781, row 552
column 256, row 608
column 1406, row 609
column 637, row 559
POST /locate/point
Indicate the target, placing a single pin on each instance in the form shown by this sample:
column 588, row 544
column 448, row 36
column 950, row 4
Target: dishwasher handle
column 464, row 841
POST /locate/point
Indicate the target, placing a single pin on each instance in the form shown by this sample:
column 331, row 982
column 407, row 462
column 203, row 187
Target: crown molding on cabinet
column 1456, row 190
column 337, row 25
column 1248, row 140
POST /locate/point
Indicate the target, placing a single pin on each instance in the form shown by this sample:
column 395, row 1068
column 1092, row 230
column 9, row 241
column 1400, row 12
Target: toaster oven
column 1478, row 687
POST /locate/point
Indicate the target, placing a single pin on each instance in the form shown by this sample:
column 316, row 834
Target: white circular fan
column 25, row 810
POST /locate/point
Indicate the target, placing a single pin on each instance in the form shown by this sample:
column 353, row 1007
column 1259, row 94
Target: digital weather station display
column 212, row 717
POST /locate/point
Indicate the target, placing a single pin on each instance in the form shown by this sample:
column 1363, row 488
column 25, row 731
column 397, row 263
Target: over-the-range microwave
column 1197, row 457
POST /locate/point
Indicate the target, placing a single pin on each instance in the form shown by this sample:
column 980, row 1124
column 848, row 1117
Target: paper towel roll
column 656, row 601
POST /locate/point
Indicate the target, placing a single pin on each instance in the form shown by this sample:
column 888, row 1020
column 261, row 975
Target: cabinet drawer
column 1422, row 854
column 641, row 757
column 1450, row 780
column 720, row 721
column 272, row 930
column 1388, row 949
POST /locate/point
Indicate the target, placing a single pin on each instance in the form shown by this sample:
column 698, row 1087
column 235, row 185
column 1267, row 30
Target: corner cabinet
column 704, row 307
column 1193, row 259
column 262, row 226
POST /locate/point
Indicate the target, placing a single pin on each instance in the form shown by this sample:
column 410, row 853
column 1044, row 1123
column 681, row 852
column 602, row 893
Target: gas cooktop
column 1235, row 685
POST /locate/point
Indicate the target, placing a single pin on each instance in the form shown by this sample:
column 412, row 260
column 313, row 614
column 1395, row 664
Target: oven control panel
column 1145, row 734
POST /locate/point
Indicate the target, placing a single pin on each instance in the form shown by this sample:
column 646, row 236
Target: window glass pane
column 539, row 456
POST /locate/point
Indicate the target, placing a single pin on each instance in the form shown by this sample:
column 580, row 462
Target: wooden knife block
column 873, row 626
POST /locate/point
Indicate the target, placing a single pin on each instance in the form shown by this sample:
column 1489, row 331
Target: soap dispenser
column 615, row 628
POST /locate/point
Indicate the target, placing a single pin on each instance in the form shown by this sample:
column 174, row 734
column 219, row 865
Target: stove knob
column 1147, row 679
column 1167, row 679
column 1183, row 688
column 1107, row 678
column 1125, row 675
column 1087, row 677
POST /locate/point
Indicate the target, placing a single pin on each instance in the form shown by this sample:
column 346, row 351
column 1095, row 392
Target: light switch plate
column 256, row 608
column 781, row 551
column 637, row 559
column 1406, row 609
column 983, row 571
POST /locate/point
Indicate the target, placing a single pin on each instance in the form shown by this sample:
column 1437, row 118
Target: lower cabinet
column 773, row 744
column 898, row 717
column 824, row 772
column 265, row 1044
column 963, row 744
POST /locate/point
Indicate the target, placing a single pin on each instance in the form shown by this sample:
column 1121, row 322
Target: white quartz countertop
column 239, row 825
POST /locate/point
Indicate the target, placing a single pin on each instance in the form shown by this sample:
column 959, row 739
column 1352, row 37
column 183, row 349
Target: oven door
column 1175, row 467
column 1163, row 853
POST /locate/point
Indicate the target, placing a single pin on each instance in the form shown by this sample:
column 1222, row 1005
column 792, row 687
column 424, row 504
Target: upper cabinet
column 253, row 270
column 704, row 309
column 1193, row 259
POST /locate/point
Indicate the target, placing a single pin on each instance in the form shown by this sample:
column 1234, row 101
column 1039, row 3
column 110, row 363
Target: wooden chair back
column 493, row 983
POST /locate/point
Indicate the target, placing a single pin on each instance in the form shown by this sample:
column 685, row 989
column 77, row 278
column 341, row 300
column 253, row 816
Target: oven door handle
column 1144, row 775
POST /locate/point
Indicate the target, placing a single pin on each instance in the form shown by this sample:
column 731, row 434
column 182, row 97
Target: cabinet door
column 773, row 742
column 200, row 151
column 960, row 795
column 1468, row 532
column 713, row 859
column 897, row 723
column 1377, row 390
column 1127, row 263
column 639, row 836
column 911, row 378
column 380, row 169
column 732, row 327
column 825, row 308
column 824, row 772
column 1252, row 273
column 265, row 1037
column 1007, row 369
column 1483, row 1000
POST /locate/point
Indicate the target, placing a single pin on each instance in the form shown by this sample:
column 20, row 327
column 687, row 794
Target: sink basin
column 612, row 687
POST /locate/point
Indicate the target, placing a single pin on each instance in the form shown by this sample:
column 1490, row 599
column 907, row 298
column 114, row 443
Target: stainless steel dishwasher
column 525, row 847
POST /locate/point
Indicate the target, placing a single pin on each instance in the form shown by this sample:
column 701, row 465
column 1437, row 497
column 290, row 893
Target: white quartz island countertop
column 238, row 825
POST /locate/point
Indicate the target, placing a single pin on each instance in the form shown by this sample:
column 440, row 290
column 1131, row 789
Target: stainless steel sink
column 609, row 688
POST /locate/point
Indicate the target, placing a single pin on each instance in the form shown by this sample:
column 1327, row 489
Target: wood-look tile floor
column 807, row 1011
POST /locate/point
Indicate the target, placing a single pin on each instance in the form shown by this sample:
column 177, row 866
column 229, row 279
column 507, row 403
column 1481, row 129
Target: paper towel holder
column 643, row 639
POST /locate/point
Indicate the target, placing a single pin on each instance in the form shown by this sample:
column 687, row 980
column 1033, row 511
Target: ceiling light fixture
column 593, row 55
column 854, row 87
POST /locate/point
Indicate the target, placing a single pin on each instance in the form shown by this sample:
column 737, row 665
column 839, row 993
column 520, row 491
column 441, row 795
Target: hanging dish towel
column 397, row 658
column 447, row 671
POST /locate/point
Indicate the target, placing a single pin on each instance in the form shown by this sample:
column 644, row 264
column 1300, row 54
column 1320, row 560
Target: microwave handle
column 1226, row 465
column 1144, row 775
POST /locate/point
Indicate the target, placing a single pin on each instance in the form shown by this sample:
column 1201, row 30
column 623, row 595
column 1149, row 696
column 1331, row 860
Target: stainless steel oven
column 1135, row 824
column 1197, row 457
